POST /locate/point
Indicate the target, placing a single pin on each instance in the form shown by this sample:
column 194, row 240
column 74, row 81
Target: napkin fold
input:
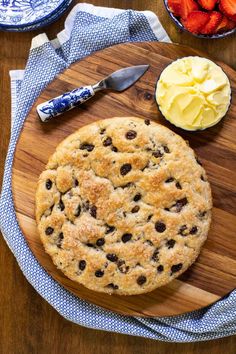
column 88, row 29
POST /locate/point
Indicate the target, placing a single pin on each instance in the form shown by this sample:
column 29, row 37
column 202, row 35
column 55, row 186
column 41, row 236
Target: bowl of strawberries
column 204, row 18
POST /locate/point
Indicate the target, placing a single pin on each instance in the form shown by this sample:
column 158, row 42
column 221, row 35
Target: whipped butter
column 193, row 93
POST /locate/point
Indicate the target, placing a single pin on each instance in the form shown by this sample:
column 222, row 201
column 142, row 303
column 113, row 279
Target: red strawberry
column 228, row 7
column 212, row 24
column 208, row 4
column 225, row 25
column 196, row 20
column 175, row 7
column 231, row 24
column 188, row 6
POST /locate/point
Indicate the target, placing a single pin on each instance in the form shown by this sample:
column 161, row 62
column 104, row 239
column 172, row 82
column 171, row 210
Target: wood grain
column 39, row 328
column 200, row 285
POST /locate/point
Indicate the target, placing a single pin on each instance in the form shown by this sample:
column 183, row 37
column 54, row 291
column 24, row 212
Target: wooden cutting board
column 214, row 273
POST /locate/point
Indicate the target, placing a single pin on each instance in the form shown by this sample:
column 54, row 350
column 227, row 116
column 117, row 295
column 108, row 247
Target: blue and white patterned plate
column 22, row 15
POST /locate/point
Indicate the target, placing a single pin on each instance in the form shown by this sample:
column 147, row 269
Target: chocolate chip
column 157, row 154
column 49, row 230
column 102, row 131
column 61, row 205
column 91, row 245
column 170, row 243
column 176, row 267
column 78, row 210
column 99, row 273
column 135, row 209
column 112, row 257
column 131, row 134
column 137, row 197
column 59, row 240
column 122, row 266
column 126, row 168
column 203, row 178
column 147, row 121
column 76, row 183
column 48, row 184
column 166, row 149
column 109, row 229
column 93, row 211
column 100, row 242
column 86, row 146
column 155, row 257
column 183, row 230
column 141, row 280
column 114, row 149
column 160, row 268
column 149, row 217
column 124, row 214
column 180, row 204
column 126, row 237
column 82, row 264
column 107, row 141
column 160, row 226
column 113, row 286
column 193, row 230
column 178, row 185
column 169, row 180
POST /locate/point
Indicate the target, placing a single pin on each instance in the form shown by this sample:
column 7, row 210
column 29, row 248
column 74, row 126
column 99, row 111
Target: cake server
column 117, row 81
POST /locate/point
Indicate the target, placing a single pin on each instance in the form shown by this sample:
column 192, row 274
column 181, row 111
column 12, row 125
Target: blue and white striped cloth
column 94, row 28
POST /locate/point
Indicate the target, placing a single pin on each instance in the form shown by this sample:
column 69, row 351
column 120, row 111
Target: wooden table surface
column 28, row 324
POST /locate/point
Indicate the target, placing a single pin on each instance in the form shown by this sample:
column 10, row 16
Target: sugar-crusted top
column 123, row 206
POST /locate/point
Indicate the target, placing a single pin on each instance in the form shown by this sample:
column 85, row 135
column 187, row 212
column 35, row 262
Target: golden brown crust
column 123, row 206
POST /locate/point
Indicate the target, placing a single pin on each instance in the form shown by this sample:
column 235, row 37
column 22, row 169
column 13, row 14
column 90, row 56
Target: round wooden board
column 214, row 273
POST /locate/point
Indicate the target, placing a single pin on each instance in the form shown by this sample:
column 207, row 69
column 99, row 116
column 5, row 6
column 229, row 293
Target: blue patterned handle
column 58, row 105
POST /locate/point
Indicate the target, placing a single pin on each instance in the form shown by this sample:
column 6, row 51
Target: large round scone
column 123, row 206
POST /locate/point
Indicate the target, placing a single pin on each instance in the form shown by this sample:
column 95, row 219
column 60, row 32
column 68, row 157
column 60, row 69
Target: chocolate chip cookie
column 123, row 206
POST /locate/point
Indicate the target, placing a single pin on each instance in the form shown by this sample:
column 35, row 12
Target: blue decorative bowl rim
column 62, row 7
column 179, row 24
